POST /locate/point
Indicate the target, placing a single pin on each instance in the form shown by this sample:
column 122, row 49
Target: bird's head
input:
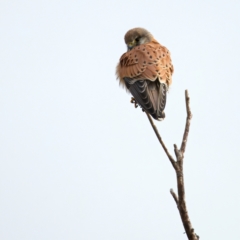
column 137, row 36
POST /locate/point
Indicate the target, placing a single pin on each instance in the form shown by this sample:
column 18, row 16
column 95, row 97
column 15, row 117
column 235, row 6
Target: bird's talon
column 134, row 102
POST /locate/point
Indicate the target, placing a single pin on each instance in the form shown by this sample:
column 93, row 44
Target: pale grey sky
column 77, row 160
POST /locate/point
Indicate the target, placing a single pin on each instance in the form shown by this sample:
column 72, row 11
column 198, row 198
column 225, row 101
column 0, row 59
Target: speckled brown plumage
column 146, row 71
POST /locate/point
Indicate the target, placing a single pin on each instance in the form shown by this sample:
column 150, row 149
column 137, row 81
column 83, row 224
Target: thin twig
column 188, row 119
column 174, row 195
column 161, row 141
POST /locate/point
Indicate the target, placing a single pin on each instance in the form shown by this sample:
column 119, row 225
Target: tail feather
column 151, row 96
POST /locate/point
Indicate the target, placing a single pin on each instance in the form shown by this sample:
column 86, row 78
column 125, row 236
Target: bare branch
column 187, row 126
column 178, row 166
column 182, row 208
column 161, row 141
column 174, row 195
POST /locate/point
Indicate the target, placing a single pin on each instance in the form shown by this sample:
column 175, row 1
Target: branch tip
column 187, row 125
column 174, row 195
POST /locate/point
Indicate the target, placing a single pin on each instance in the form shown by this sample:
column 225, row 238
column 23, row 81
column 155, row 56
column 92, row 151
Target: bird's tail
column 158, row 95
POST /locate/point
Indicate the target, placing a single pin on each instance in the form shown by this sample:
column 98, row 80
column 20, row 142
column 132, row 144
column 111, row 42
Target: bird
column 145, row 70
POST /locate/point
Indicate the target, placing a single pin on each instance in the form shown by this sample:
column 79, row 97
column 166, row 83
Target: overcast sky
column 77, row 160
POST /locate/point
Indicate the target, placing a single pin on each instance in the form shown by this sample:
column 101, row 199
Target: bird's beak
column 129, row 48
column 130, row 45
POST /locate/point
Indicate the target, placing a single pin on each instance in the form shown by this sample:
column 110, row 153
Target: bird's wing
column 147, row 61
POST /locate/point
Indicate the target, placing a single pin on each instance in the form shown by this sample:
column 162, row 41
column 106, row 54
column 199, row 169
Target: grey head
column 137, row 36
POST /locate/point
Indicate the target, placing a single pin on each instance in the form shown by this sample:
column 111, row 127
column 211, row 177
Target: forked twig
column 178, row 167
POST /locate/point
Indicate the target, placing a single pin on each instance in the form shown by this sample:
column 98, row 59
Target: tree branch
column 161, row 141
column 178, row 167
column 187, row 126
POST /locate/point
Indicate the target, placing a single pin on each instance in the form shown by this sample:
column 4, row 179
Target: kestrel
column 146, row 71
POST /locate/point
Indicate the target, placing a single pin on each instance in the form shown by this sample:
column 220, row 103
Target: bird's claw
column 134, row 102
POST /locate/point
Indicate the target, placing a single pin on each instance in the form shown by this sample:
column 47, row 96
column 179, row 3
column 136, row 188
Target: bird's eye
column 137, row 39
